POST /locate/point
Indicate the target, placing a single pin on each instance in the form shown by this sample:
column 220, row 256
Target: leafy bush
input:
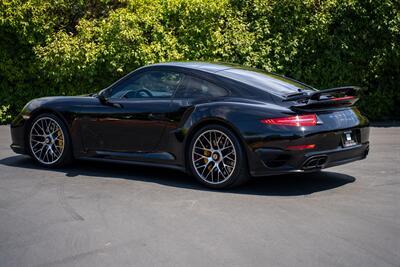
column 69, row 47
column 4, row 115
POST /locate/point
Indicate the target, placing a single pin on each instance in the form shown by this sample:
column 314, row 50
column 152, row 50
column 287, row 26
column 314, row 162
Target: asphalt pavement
column 100, row 214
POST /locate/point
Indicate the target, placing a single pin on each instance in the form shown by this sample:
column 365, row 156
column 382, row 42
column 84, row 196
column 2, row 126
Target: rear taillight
column 342, row 98
column 301, row 147
column 300, row 120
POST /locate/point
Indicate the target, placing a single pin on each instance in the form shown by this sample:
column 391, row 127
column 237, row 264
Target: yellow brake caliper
column 60, row 141
column 206, row 154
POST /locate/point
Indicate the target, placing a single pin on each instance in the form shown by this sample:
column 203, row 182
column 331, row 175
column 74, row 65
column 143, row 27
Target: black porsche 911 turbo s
column 219, row 122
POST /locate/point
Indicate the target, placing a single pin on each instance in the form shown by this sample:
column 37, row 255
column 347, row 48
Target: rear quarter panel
column 244, row 120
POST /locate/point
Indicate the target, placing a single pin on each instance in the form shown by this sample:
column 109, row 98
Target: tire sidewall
column 66, row 154
column 240, row 170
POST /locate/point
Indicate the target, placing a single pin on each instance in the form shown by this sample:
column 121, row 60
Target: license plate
column 349, row 139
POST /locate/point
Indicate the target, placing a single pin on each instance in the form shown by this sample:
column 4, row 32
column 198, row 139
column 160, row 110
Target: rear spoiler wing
column 328, row 98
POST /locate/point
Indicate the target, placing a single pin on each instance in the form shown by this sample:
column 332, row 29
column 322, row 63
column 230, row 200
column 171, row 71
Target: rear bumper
column 277, row 161
column 18, row 149
column 272, row 157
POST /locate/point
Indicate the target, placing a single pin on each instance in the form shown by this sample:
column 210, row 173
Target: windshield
column 265, row 81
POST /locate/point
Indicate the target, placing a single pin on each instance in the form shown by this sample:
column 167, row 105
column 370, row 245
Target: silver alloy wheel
column 46, row 140
column 214, row 156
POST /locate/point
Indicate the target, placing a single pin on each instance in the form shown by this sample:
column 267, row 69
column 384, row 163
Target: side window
column 150, row 84
column 198, row 88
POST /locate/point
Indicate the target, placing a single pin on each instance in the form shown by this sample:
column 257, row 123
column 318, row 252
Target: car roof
column 262, row 80
column 197, row 65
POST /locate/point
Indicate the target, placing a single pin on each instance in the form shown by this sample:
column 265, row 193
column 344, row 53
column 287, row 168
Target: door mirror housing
column 102, row 98
column 105, row 101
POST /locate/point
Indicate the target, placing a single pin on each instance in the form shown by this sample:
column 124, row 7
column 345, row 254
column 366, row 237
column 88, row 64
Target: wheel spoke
column 227, row 156
column 226, row 148
column 200, row 155
column 46, row 154
column 40, row 149
column 209, row 172
column 56, row 151
column 226, row 140
column 201, row 158
column 231, row 159
column 201, row 142
column 200, row 166
column 41, row 154
column 209, row 140
column 205, row 168
column 219, row 139
column 202, row 148
column 35, row 145
column 43, row 127
column 48, row 127
column 222, row 173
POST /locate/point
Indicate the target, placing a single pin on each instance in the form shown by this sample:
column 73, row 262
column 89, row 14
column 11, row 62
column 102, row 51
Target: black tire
column 238, row 175
column 63, row 158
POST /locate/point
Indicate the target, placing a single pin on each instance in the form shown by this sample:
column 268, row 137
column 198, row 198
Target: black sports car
column 221, row 123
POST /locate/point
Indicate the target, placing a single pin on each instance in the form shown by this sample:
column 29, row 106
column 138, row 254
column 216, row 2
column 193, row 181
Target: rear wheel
column 48, row 141
column 216, row 158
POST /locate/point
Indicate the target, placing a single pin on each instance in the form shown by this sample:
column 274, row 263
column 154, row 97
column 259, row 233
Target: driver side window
column 150, row 84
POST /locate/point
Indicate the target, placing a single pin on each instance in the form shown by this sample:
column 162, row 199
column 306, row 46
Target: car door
column 133, row 117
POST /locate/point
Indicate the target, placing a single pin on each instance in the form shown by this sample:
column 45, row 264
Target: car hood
column 58, row 101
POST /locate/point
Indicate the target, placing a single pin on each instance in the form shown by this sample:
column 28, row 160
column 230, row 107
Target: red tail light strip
column 342, row 98
column 301, row 120
column 301, row 147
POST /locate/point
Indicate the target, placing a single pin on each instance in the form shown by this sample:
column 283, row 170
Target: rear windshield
column 265, row 81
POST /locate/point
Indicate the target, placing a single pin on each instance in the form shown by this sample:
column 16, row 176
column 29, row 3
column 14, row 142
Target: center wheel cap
column 47, row 140
column 215, row 156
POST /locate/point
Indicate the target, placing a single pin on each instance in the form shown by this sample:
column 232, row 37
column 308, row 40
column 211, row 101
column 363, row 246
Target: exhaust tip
column 316, row 162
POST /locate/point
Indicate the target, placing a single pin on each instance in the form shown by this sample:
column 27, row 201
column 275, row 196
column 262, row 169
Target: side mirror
column 104, row 100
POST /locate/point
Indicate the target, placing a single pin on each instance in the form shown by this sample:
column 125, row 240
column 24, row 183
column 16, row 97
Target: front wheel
column 48, row 141
column 216, row 158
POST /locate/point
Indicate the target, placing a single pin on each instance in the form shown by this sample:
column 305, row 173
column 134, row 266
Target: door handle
column 152, row 116
column 116, row 105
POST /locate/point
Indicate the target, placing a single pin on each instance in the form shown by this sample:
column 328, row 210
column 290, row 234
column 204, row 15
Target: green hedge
column 70, row 47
